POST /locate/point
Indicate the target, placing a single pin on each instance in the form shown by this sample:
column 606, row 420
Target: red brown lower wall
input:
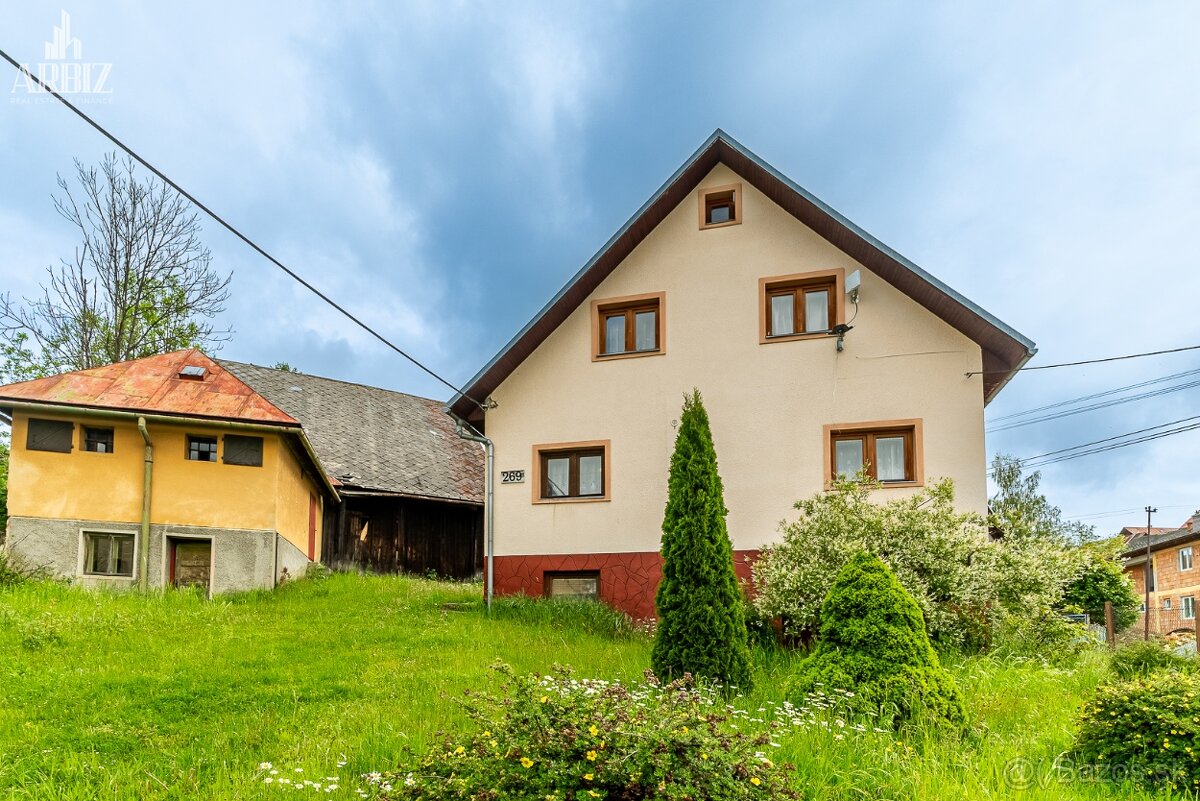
column 628, row 581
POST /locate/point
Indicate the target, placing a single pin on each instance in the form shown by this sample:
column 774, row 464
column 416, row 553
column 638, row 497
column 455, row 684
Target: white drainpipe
column 460, row 427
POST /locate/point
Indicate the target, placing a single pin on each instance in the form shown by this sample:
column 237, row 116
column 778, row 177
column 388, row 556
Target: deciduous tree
column 139, row 283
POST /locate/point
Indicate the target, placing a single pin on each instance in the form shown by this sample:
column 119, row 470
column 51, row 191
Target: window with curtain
column 629, row 327
column 1185, row 558
column 798, row 307
column 575, row 473
column 885, row 455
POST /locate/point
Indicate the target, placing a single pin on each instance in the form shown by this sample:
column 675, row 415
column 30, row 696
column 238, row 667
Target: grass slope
column 106, row 696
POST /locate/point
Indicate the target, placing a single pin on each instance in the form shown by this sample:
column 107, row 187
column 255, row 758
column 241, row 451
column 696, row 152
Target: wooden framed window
column 720, row 206
column 571, row 471
column 580, row 585
column 97, row 440
column 56, row 436
column 628, row 326
column 888, row 452
column 1185, row 558
column 801, row 305
column 201, row 449
column 243, row 450
column 108, row 554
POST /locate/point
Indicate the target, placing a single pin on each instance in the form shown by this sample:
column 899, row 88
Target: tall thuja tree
column 702, row 625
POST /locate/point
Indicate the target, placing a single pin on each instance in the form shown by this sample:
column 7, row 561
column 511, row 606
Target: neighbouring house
column 818, row 349
column 179, row 469
column 1172, row 574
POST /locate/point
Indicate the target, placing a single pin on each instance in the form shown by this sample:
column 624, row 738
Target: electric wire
column 1112, row 443
column 1085, row 361
column 229, row 227
column 1095, row 406
column 1095, row 395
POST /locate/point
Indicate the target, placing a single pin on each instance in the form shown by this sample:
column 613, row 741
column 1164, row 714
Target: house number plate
column 512, row 476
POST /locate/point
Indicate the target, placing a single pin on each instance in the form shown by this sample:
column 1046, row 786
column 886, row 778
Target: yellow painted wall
column 108, row 487
column 295, row 490
column 768, row 403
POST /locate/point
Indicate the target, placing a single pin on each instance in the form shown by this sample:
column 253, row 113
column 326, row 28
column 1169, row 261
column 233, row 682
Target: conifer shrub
column 701, row 618
column 874, row 648
column 1146, row 731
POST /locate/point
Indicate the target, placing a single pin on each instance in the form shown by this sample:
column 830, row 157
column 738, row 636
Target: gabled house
column 1171, row 571
column 180, row 469
column 164, row 470
column 818, row 349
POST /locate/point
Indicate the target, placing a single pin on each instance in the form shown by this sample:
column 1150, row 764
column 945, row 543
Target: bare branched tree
column 140, row 283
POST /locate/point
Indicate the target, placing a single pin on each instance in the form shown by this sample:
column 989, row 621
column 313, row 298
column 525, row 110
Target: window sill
column 767, row 340
column 633, row 354
column 597, row 499
column 726, row 224
column 886, row 485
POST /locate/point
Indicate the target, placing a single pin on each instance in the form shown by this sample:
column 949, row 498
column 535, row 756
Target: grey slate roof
column 374, row 439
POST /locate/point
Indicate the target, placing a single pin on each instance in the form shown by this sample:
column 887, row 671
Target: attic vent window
column 193, row 373
column 720, row 206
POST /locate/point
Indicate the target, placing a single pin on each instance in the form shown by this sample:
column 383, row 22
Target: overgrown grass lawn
column 106, row 696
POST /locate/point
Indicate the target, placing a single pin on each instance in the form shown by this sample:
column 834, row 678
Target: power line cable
column 1103, row 405
column 1109, row 439
column 1114, row 446
column 221, row 221
column 1095, row 395
column 1085, row 361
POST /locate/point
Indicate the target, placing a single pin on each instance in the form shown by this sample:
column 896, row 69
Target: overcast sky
column 442, row 169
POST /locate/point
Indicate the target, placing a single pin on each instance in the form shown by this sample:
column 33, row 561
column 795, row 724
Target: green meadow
column 121, row 696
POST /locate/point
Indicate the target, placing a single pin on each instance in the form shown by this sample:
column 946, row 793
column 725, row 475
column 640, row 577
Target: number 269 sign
column 512, row 476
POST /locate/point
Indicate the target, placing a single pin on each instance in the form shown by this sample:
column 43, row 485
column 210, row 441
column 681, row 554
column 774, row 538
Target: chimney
column 1195, row 521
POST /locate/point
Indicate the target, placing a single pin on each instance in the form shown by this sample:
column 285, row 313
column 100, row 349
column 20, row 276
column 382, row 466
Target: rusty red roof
column 154, row 385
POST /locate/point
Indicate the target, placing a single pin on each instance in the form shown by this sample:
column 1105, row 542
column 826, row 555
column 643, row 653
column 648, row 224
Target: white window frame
column 1189, row 607
column 1190, row 560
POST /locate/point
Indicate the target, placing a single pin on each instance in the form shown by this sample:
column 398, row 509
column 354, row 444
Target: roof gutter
column 176, row 420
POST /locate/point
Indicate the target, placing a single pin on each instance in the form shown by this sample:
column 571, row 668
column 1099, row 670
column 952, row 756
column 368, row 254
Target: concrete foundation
column 242, row 559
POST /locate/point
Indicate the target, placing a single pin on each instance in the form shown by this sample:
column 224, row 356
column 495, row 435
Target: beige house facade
column 817, row 351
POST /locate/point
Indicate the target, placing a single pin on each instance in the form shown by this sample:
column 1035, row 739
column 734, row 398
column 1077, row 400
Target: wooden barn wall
column 402, row 535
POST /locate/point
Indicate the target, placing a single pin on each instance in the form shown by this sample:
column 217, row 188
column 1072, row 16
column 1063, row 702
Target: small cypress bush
column 701, row 619
column 1146, row 730
column 874, row 649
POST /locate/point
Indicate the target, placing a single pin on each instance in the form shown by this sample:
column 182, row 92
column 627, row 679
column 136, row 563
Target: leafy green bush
column 873, row 646
column 1147, row 658
column 1102, row 578
column 701, row 621
column 1146, row 730
column 565, row 738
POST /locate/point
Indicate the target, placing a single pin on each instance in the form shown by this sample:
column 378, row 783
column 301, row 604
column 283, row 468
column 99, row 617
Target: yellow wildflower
column 526, row 762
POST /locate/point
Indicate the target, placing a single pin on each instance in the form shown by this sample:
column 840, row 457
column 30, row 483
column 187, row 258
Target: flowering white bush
column 967, row 586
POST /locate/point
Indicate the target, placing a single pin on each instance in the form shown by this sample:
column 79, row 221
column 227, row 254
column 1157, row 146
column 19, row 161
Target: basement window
column 720, row 206
column 50, row 435
column 108, row 554
column 98, row 440
column 575, row 586
column 201, row 449
column 243, row 450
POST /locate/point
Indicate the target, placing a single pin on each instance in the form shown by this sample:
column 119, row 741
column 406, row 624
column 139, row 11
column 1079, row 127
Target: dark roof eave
column 969, row 318
column 9, row 403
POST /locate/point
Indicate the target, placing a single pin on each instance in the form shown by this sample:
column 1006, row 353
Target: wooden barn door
column 191, row 563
